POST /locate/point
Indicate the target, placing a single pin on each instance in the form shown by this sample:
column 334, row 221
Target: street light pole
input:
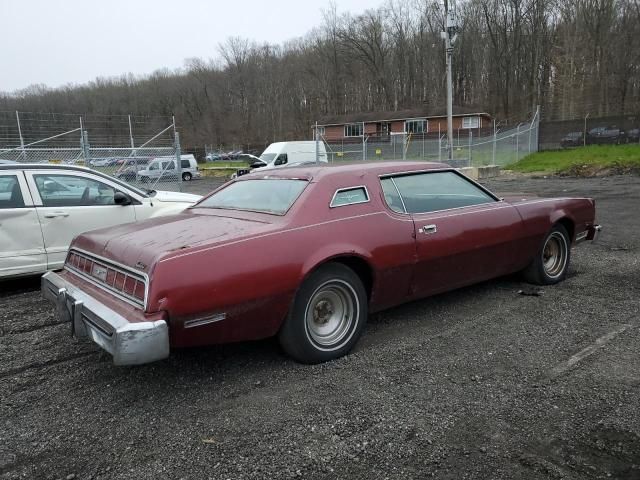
column 449, row 36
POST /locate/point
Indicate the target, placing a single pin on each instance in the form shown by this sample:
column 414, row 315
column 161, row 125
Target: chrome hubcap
column 331, row 313
column 554, row 255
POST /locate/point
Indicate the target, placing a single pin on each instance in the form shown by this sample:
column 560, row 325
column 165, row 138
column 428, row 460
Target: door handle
column 56, row 214
column 428, row 229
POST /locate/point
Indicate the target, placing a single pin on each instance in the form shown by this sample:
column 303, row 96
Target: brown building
column 416, row 121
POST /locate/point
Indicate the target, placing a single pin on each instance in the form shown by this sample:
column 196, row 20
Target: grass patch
column 582, row 160
column 221, row 169
column 220, row 163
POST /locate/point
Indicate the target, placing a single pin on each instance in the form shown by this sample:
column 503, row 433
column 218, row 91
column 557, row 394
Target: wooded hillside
column 572, row 57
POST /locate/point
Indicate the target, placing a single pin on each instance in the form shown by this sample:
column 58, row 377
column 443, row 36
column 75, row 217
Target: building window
column 353, row 130
column 470, row 122
column 383, row 128
column 415, row 126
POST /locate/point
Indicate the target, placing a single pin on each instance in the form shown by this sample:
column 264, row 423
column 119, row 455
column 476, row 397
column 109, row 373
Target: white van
column 281, row 154
column 165, row 169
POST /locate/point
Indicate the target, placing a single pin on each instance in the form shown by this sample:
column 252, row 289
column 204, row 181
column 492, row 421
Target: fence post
column 87, row 151
column 439, row 146
column 470, row 144
column 133, row 147
column 82, row 139
column 518, row 142
column 22, row 154
column 405, row 145
column 584, row 133
column 364, row 145
column 178, row 159
column 315, row 137
column 495, row 141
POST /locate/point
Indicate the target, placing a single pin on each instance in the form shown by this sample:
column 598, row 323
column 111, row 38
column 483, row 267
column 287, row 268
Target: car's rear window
column 271, row 195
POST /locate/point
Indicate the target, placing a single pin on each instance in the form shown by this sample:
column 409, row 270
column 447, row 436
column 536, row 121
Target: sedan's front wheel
column 327, row 316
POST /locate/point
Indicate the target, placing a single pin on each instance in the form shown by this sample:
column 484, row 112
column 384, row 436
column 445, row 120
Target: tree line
column 571, row 57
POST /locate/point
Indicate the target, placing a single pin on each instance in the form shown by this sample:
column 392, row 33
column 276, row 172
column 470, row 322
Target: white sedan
column 43, row 207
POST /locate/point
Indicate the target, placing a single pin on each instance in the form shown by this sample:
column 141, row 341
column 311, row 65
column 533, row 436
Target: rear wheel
column 186, row 176
column 327, row 316
column 551, row 262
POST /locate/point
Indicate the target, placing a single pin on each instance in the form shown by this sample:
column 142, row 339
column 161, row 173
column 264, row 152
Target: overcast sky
column 56, row 42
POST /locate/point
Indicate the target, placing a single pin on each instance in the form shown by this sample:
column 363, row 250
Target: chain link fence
column 590, row 130
column 471, row 147
column 141, row 150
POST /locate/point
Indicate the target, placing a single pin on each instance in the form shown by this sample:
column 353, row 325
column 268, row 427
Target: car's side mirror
column 258, row 164
column 120, row 198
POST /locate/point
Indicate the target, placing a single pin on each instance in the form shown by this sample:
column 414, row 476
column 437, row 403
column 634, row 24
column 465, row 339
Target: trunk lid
column 141, row 244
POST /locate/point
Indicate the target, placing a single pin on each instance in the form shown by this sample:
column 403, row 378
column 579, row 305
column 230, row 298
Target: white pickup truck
column 43, row 207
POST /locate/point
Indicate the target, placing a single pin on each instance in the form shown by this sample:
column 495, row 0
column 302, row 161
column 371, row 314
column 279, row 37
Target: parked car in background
column 633, row 135
column 306, row 254
column 129, row 167
column 609, row 134
column 212, row 157
column 249, row 157
column 42, row 207
column 572, row 139
column 165, row 169
column 103, row 162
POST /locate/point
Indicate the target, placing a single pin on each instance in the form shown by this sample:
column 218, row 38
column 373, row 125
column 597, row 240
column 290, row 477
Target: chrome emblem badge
column 99, row 272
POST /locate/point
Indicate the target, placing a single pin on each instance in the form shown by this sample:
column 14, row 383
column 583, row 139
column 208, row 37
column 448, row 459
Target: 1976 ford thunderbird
column 305, row 253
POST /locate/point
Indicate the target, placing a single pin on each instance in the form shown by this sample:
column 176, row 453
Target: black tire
column 186, row 176
column 327, row 316
column 551, row 263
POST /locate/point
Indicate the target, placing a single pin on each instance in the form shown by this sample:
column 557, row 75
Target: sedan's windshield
column 268, row 157
column 262, row 195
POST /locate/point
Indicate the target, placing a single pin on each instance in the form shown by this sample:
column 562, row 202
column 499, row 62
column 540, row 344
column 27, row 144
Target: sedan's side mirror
column 120, row 198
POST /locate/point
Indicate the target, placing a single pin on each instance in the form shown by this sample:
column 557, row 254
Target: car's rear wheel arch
column 568, row 225
column 359, row 265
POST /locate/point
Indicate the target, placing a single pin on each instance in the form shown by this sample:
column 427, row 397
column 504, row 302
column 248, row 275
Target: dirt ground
column 479, row 383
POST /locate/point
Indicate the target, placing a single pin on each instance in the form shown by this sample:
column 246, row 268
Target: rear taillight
column 130, row 284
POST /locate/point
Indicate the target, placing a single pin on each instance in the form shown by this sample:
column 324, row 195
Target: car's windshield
column 261, row 195
column 268, row 157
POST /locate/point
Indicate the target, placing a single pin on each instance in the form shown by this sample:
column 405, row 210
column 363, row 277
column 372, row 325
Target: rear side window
column 10, row 193
column 431, row 192
column 349, row 196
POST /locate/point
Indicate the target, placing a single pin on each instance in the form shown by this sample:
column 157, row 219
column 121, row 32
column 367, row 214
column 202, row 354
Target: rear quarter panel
column 253, row 281
column 540, row 215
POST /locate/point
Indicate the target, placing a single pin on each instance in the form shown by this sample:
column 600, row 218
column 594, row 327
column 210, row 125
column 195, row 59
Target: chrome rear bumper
column 130, row 343
column 591, row 233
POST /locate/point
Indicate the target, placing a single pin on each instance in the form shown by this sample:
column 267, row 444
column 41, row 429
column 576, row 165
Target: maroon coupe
column 305, row 253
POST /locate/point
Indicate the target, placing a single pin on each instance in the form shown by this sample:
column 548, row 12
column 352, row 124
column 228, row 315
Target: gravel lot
column 479, row 383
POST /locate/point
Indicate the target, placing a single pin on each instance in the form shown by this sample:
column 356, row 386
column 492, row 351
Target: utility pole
column 449, row 36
